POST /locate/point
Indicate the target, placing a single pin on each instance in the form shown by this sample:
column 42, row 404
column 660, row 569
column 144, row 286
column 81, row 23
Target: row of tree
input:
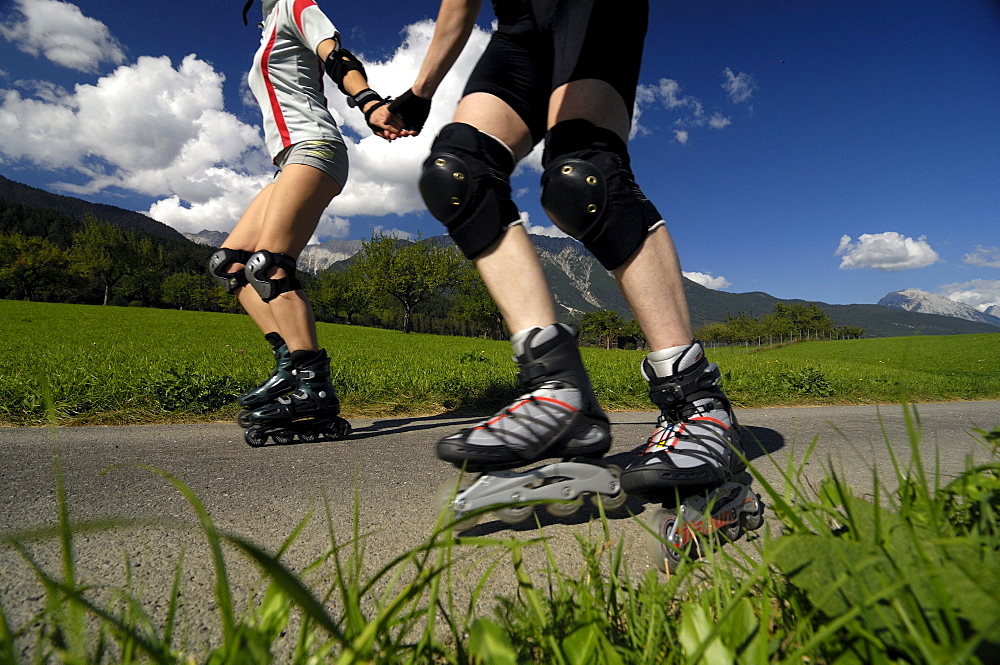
column 786, row 322
column 423, row 286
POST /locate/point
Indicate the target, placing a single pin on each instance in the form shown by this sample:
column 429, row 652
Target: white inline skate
column 693, row 463
column 556, row 417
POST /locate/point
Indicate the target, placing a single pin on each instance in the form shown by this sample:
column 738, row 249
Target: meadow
column 79, row 364
column 907, row 574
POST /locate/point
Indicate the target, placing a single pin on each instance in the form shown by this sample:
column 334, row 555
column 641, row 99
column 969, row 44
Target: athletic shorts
column 330, row 157
column 540, row 45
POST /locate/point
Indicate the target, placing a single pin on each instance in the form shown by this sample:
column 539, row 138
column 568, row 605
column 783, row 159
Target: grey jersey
column 287, row 75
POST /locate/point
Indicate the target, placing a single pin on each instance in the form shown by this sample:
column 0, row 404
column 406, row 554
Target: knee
column 220, row 263
column 271, row 274
column 465, row 183
column 589, row 191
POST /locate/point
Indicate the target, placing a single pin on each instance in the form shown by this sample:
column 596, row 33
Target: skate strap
column 525, row 444
column 679, row 390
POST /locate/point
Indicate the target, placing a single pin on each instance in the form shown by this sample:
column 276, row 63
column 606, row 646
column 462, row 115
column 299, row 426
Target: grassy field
column 112, row 365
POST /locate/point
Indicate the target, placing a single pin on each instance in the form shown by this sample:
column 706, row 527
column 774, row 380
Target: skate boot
column 693, row 461
column 557, row 416
column 279, row 383
column 309, row 412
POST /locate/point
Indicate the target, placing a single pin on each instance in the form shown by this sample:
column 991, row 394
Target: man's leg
column 465, row 183
column 589, row 191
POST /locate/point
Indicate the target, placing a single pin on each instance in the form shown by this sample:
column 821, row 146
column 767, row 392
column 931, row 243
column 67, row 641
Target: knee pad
column 465, row 184
column 268, row 288
column 589, row 192
column 221, row 261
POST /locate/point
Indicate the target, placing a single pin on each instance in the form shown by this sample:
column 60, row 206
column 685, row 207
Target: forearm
column 455, row 21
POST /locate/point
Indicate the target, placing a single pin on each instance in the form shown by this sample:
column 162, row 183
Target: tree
column 28, row 263
column 604, row 325
column 101, row 252
column 340, row 291
column 476, row 307
column 412, row 273
column 185, row 290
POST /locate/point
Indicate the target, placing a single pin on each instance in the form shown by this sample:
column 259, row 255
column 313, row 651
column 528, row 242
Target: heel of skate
column 513, row 495
column 682, row 529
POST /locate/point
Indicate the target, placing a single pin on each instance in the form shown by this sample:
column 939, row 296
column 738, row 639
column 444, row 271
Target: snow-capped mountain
column 915, row 300
column 313, row 259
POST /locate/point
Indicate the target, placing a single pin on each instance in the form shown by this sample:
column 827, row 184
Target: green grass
column 78, row 364
column 911, row 575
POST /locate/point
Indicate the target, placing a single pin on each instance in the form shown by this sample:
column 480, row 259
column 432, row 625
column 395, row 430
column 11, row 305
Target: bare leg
column 510, row 269
column 281, row 219
column 651, row 278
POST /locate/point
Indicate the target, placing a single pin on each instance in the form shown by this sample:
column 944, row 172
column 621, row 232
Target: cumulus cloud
column 740, row 87
column 61, row 33
column 384, row 176
column 706, row 280
column 889, row 251
column 179, row 143
column 392, row 233
column 980, row 293
column 985, row 257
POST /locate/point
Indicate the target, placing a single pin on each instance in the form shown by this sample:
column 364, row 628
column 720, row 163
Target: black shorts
column 540, row 45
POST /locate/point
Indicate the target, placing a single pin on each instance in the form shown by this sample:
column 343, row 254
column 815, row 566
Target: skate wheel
column 664, row 555
column 342, row 430
column 255, row 437
column 243, row 418
column 309, row 437
column 611, row 501
column 446, row 495
column 515, row 514
column 753, row 520
column 731, row 532
column 284, row 438
column 564, row 509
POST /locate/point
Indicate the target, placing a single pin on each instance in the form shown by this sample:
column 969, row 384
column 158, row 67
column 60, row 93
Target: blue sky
column 830, row 150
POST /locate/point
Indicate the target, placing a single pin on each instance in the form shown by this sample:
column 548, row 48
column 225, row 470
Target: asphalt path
column 381, row 482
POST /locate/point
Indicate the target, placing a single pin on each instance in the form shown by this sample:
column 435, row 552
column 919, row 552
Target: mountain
column 78, row 209
column 313, row 258
column 915, row 300
column 993, row 310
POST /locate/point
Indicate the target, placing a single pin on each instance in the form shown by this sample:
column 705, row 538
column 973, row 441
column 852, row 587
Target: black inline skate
column 556, row 417
column 692, row 463
column 281, row 382
column 309, row 412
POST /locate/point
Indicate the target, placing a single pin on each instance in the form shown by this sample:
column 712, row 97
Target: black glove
column 339, row 63
column 413, row 110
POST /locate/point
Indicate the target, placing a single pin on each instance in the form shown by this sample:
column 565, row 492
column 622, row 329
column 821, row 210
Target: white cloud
column 719, row 121
column 552, row 231
column 60, row 32
column 179, row 144
column 392, row 233
column 740, row 87
column 889, row 251
column 384, row 175
column 986, row 257
column 706, row 280
column 980, row 293
column 681, row 136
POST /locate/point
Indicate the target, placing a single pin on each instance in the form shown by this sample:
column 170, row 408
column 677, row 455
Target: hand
column 382, row 122
column 412, row 111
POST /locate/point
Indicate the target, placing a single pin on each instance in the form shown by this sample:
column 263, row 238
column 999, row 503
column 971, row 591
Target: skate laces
column 529, row 421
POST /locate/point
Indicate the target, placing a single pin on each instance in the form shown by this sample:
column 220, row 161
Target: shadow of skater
column 403, row 425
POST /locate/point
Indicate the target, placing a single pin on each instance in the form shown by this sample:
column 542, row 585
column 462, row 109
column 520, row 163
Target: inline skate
column 309, row 412
column 281, row 382
column 557, row 416
column 692, row 464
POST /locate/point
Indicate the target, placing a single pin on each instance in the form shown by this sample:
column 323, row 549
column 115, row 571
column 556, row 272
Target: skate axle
column 563, row 481
column 727, row 511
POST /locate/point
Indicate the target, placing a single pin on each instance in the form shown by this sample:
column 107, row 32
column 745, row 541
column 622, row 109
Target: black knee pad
column 221, row 261
column 269, row 288
column 466, row 186
column 589, row 192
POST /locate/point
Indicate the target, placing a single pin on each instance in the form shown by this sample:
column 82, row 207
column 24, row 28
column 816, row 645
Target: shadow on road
column 403, row 425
